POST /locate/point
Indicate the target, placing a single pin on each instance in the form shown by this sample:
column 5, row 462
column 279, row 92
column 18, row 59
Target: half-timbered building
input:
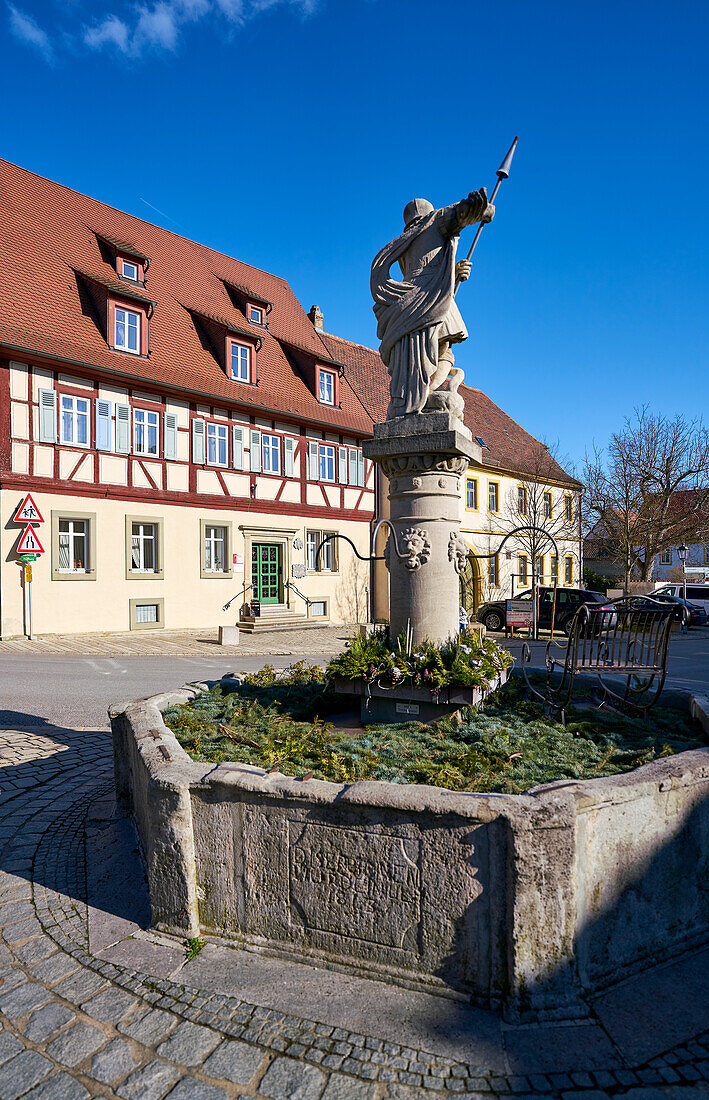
column 187, row 434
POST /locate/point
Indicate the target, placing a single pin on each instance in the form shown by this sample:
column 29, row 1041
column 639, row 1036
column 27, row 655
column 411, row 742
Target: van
column 696, row 593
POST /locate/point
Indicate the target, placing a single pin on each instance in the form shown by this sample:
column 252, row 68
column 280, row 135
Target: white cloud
column 25, row 28
column 158, row 26
column 112, row 31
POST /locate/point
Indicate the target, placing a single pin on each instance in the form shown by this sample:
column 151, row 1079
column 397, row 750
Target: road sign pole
column 29, row 588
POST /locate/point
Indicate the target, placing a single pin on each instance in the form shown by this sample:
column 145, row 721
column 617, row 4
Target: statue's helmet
column 417, row 208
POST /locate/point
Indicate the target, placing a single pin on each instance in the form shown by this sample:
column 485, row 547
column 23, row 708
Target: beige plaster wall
column 102, row 603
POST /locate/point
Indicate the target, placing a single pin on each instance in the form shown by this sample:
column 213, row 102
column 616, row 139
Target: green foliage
column 599, row 582
column 472, row 661
column 193, row 946
column 507, row 745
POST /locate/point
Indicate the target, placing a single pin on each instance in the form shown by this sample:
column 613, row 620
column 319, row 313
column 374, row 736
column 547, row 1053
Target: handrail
column 242, row 592
column 289, row 584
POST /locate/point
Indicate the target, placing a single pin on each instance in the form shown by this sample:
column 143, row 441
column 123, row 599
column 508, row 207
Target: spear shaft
column 502, row 174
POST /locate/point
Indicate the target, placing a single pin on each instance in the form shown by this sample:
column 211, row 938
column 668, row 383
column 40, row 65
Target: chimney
column 316, row 316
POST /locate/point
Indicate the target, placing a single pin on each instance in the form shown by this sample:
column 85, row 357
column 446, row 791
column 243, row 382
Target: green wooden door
column 266, row 572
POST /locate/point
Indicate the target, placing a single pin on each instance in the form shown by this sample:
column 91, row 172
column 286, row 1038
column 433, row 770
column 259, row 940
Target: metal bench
column 626, row 641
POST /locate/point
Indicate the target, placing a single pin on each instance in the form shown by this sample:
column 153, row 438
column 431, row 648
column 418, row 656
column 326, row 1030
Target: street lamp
column 682, row 552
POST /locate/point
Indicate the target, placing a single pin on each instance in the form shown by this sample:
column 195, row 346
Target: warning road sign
column 29, row 543
column 28, row 512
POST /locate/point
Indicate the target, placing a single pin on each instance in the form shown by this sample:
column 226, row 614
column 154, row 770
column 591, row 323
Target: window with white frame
column 548, row 506
column 326, row 387
column 553, row 569
column 326, row 561
column 144, row 550
column 75, row 420
column 522, row 500
column 146, row 426
column 129, row 270
column 568, row 508
column 270, row 453
column 666, row 557
column 568, row 570
column 327, row 462
column 73, row 546
column 240, row 362
column 217, row 444
column 255, row 315
column 522, row 568
column 215, row 548
column 493, row 578
column 127, row 331
column 493, row 490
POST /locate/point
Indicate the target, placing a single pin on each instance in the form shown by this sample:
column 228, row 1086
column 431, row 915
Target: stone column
column 424, row 457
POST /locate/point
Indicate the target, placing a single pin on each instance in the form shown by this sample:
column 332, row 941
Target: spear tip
column 503, row 171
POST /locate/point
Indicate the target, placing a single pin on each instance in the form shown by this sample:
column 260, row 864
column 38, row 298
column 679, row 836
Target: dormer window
column 127, row 331
column 255, row 315
column 326, row 387
column 128, row 270
column 240, row 362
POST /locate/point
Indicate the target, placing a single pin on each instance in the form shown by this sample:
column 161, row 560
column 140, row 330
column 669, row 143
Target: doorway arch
column 471, row 586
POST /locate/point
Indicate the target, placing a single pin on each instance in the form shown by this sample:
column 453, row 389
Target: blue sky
column 290, row 133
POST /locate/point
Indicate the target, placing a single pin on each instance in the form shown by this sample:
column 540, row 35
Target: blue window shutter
column 47, row 416
column 103, row 424
column 360, row 478
column 289, row 457
column 237, row 447
column 123, row 429
column 198, row 434
column 342, row 464
column 255, row 451
column 354, row 468
column 170, row 436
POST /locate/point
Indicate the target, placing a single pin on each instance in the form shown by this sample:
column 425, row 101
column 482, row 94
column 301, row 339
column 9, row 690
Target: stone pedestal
column 424, row 457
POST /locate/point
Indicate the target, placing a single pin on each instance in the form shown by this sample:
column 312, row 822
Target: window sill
column 216, row 574
column 59, row 575
column 75, row 446
column 136, row 575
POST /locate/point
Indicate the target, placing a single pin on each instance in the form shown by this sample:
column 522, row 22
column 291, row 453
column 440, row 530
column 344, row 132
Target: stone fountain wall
column 531, row 901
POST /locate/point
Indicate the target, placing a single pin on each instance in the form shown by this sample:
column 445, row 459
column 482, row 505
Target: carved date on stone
column 415, row 547
column 458, row 551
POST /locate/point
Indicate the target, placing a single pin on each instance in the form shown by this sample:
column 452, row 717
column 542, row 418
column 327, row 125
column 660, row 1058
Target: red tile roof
column 46, row 230
column 508, row 446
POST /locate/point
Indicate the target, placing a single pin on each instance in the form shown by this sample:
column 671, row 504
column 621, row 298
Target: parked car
column 568, row 600
column 697, row 614
column 696, row 593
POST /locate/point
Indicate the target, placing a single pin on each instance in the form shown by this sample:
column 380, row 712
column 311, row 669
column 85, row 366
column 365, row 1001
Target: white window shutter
column 103, row 424
column 289, row 457
column 198, row 434
column 342, row 463
column 255, row 451
column 170, row 436
column 47, row 416
column 237, row 433
column 123, row 429
column 353, row 465
column 360, row 469
column 313, row 454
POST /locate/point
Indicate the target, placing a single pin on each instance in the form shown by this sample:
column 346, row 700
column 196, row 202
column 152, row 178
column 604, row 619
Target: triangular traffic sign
column 29, row 543
column 28, row 512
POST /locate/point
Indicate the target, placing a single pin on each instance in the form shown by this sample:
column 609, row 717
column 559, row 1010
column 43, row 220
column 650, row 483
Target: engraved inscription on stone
column 355, row 884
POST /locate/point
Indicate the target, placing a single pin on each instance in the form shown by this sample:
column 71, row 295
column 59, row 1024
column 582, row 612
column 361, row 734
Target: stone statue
column 418, row 319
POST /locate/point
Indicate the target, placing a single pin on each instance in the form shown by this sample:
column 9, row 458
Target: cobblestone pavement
column 85, row 1012
column 184, row 643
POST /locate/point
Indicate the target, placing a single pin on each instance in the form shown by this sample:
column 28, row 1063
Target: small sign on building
column 297, row 571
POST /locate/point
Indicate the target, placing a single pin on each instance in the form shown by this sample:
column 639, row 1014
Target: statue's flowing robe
column 414, row 315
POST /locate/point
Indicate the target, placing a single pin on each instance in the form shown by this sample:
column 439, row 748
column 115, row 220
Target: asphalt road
column 76, row 691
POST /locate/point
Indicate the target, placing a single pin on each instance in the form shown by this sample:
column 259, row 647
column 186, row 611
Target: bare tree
column 650, row 489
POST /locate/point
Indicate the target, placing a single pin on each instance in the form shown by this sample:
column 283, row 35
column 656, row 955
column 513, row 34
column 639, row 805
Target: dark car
column 697, row 615
column 568, row 600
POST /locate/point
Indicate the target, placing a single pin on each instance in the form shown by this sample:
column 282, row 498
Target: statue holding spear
column 418, row 319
